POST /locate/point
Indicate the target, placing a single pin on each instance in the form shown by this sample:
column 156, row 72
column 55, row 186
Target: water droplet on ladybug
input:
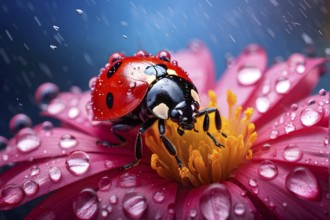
column 141, row 53
column 164, row 55
column 175, row 63
column 115, row 57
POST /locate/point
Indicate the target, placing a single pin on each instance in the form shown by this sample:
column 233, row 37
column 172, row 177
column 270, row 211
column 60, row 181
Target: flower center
column 203, row 161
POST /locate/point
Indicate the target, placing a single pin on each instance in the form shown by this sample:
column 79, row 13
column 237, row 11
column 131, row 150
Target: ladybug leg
column 180, row 131
column 168, row 145
column 138, row 143
column 206, row 123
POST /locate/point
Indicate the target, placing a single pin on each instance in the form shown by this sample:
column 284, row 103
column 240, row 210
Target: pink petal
column 31, row 144
column 242, row 77
column 198, row 62
column 73, row 110
column 310, row 112
column 76, row 166
column 287, row 191
column 136, row 193
column 282, row 85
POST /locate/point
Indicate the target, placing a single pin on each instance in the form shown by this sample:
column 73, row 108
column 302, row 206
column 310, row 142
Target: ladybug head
column 184, row 114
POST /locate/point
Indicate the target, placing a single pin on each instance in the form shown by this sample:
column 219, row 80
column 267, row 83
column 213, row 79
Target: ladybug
column 142, row 89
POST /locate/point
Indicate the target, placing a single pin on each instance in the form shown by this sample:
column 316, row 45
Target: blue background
column 84, row 42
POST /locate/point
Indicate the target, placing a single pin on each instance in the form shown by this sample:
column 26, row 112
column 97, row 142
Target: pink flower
column 275, row 167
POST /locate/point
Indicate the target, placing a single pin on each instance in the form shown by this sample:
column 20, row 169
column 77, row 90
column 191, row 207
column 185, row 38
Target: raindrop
column 56, row 28
column 310, row 117
column 73, row 112
column 128, row 180
column 19, row 122
column 159, row 197
column 46, row 93
column 55, row 174
column 215, row 203
column 268, row 170
column 273, row 134
column 253, row 183
column 12, row 195
column 68, row 141
column 3, row 143
column 34, row 171
column 77, row 162
column 53, row 47
column 104, row 183
column 27, row 140
column 322, row 92
column 134, row 205
column 85, row 205
column 262, row 104
column 303, row 184
column 292, row 153
column 239, row 209
column 79, row 11
column 248, row 76
column 55, row 108
column 289, row 128
column 30, row 188
column 282, row 86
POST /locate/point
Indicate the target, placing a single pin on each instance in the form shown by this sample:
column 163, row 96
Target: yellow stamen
column 204, row 162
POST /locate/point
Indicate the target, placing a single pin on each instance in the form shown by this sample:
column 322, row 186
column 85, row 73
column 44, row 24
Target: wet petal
column 198, row 63
column 285, row 83
column 294, row 189
column 243, row 76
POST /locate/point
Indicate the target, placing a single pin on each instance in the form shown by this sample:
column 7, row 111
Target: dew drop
column 104, row 183
column 282, row 86
column 289, row 128
column 134, row 205
column 12, row 195
column 273, row 134
column 128, row 180
column 27, row 140
column 46, row 93
column 248, row 76
column 268, row 170
column 73, row 112
column 239, row 209
column 55, row 174
column 292, row 153
column 310, row 117
column 30, row 188
column 159, row 197
column 253, row 183
column 77, row 162
column 18, row 122
column 262, row 104
column 85, row 205
column 303, row 184
column 67, row 141
column 215, row 203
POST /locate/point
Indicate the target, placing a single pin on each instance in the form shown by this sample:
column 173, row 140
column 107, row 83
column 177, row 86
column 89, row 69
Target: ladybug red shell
column 123, row 84
column 143, row 89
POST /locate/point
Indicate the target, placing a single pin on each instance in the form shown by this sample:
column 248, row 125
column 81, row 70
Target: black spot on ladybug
column 113, row 69
column 109, row 100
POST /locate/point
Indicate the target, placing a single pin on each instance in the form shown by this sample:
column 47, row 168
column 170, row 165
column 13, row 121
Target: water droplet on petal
column 215, row 203
column 55, row 174
column 310, row 117
column 292, row 153
column 85, row 205
column 104, row 184
column 27, row 140
column 34, row 171
column 253, row 183
column 239, row 209
column 289, row 128
column 3, row 143
column 18, row 122
column 73, row 112
column 265, row 89
column 302, row 183
column 294, row 107
column 46, row 93
column 113, row 199
column 262, row 104
column 159, row 196
column 12, row 195
column 77, row 162
column 67, row 141
column 192, row 214
column 268, row 170
column 134, row 205
column 273, row 134
column 266, row 146
column 322, row 92
column 248, row 76
column 30, row 188
column 47, row 128
column 55, row 107
column 128, row 180
column 282, row 86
